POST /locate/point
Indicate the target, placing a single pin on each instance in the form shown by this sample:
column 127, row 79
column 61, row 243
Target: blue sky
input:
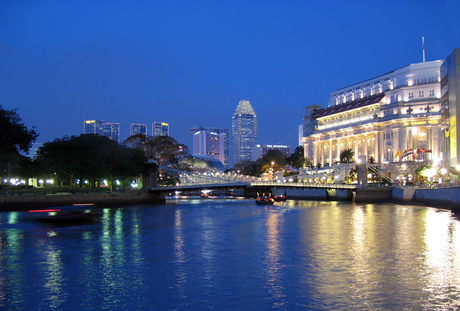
column 189, row 63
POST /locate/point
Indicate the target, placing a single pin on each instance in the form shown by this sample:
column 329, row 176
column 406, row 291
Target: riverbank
column 446, row 198
column 27, row 202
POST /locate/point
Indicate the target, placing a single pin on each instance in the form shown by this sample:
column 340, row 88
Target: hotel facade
column 404, row 115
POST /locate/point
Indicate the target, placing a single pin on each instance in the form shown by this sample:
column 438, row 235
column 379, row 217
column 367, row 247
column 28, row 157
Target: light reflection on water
column 224, row 254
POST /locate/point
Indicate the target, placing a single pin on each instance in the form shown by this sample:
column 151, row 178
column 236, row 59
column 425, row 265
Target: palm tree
column 346, row 155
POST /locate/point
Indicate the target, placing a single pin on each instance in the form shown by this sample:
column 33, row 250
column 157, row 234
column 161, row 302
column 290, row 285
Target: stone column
column 395, row 143
column 377, row 156
column 315, row 153
column 305, row 150
column 365, row 147
column 338, row 149
column 436, row 137
column 330, row 152
column 322, row 153
column 403, row 139
column 356, row 147
column 381, row 147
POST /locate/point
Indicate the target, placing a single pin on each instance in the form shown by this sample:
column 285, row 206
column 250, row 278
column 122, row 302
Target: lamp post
column 273, row 170
column 443, row 172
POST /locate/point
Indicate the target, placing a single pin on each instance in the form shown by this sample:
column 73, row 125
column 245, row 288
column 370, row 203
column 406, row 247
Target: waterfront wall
column 446, row 197
column 42, row 201
column 314, row 194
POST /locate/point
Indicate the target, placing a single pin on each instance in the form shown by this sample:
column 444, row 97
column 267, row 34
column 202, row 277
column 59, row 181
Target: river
column 227, row 254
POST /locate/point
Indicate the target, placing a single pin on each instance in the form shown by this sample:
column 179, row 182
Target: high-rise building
column 244, row 132
column 450, row 108
column 224, row 132
column 111, row 130
column 208, row 143
column 160, row 129
column 92, row 127
column 138, row 129
column 261, row 150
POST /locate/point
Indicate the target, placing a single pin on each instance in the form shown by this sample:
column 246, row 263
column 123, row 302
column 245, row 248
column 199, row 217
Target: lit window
column 411, row 94
column 420, row 93
column 431, row 92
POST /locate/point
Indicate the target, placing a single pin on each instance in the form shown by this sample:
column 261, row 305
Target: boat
column 265, row 201
column 77, row 213
column 280, row 198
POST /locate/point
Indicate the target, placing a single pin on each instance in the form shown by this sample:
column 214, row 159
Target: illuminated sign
column 421, row 122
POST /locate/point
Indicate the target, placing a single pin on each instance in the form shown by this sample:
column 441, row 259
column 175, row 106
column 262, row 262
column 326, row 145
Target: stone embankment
column 448, row 197
column 27, row 202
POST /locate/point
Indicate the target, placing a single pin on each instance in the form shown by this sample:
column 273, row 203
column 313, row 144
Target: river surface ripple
column 230, row 254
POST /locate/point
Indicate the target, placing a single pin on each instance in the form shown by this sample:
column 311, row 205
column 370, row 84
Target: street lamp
column 443, row 172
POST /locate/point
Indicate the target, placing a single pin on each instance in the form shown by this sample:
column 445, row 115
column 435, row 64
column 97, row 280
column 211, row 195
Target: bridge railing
column 302, row 185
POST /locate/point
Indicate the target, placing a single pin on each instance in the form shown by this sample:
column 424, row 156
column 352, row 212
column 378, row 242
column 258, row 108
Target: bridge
column 231, row 180
column 252, row 186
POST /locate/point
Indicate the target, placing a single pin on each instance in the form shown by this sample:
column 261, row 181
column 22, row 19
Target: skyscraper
column 92, row 127
column 244, row 132
column 138, row 129
column 224, row 132
column 160, row 129
column 111, row 130
column 208, row 143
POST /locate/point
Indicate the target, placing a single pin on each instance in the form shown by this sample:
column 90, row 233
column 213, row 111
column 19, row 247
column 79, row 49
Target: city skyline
column 189, row 63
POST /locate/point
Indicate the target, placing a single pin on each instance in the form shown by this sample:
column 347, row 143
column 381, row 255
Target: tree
column 14, row 135
column 297, row 159
column 162, row 151
column 92, row 157
column 274, row 160
column 346, row 155
column 245, row 168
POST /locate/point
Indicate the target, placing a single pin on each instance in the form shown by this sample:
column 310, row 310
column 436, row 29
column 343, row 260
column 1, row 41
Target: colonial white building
column 393, row 117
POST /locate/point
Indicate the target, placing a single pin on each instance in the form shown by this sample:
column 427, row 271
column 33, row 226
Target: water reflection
column 441, row 260
column 273, row 265
column 212, row 255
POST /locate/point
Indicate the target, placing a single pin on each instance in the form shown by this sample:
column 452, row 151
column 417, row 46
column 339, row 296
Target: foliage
column 245, row 168
column 14, row 135
column 346, row 155
column 297, row 159
column 165, row 151
column 274, row 159
column 92, row 157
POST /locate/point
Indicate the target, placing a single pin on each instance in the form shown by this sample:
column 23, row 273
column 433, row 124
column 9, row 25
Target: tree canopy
column 297, row 159
column 346, row 155
column 14, row 135
column 165, row 151
column 92, row 157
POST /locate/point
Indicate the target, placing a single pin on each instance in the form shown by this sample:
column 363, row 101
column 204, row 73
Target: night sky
column 189, row 63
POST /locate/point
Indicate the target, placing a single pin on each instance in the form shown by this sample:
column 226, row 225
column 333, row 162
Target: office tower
column 160, row 129
column 261, row 150
column 138, row 129
column 92, row 127
column 111, row 130
column 244, row 132
column 450, row 108
column 208, row 143
column 224, row 132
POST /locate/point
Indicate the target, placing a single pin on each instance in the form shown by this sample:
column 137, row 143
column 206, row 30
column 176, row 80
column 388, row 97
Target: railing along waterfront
column 302, row 185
